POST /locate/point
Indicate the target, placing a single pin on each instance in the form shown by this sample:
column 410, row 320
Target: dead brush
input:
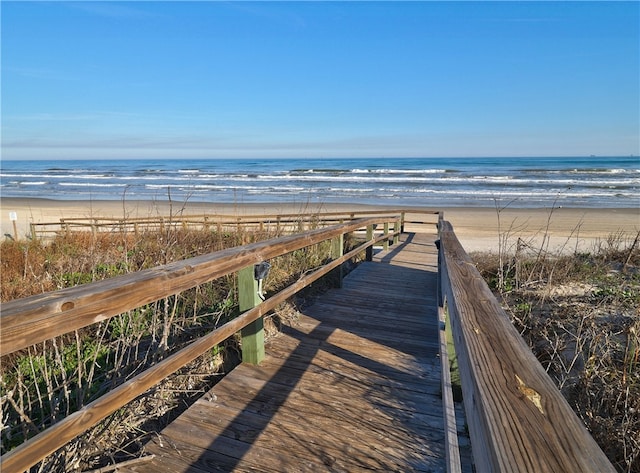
column 21, row 264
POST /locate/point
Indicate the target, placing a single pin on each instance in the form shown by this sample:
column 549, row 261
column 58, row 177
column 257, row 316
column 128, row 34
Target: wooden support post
column 252, row 334
column 337, row 250
column 454, row 370
column 402, row 222
column 369, row 251
column 385, row 242
column 448, row 405
column 396, row 227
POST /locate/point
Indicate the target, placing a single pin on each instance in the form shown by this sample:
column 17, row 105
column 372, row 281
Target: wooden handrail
column 37, row 318
column 41, row 317
column 518, row 420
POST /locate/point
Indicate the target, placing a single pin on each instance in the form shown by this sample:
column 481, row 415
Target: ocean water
column 583, row 182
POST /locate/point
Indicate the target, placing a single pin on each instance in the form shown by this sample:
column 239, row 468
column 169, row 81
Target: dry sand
column 477, row 228
column 562, row 229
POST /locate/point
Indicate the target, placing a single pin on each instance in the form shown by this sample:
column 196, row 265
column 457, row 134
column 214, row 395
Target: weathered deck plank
column 353, row 385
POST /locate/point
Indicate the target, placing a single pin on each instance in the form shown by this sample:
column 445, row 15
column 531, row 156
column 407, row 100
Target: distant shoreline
column 438, row 182
column 476, row 227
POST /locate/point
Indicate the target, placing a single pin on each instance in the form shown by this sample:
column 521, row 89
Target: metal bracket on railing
column 260, row 272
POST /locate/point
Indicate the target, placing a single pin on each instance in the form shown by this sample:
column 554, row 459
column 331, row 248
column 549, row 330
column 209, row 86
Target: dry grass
column 580, row 314
column 46, row 382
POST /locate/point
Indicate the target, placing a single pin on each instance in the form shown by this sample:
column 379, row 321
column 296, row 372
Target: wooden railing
column 29, row 321
column 518, row 420
column 285, row 223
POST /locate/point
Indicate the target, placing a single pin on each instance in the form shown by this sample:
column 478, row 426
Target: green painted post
column 369, row 252
column 252, row 334
column 396, row 227
column 385, row 242
column 337, row 250
column 456, row 384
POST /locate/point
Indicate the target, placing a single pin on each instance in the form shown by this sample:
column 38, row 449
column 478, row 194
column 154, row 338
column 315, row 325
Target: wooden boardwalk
column 353, row 385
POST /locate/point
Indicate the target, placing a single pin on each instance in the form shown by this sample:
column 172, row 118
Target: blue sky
column 319, row 79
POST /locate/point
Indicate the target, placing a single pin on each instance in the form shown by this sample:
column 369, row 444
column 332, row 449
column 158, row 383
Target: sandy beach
column 478, row 229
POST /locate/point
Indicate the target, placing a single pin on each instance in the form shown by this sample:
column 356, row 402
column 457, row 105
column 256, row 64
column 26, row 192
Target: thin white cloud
column 279, row 15
column 115, row 10
column 53, row 117
column 258, row 144
column 40, row 73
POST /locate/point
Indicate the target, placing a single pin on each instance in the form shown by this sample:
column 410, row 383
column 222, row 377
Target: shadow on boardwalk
column 352, row 385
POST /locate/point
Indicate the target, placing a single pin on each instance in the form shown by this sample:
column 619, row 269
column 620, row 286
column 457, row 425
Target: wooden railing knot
column 68, row 305
column 531, row 394
column 180, row 272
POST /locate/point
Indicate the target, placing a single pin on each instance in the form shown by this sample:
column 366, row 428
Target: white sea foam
column 399, row 171
column 456, row 181
column 90, row 184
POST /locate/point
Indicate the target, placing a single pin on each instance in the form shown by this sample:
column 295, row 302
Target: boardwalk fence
column 31, row 320
column 280, row 223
